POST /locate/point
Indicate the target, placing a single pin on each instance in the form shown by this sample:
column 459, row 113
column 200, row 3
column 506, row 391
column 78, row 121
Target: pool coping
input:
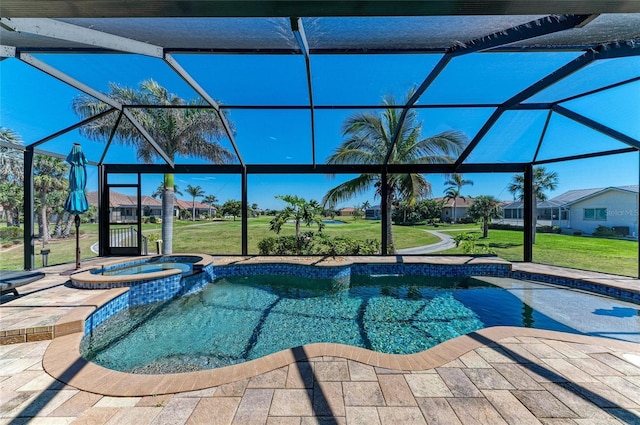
column 62, row 360
column 89, row 280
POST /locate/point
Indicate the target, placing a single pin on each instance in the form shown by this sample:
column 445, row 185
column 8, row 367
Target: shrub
column 468, row 241
column 317, row 244
column 10, row 235
column 605, row 232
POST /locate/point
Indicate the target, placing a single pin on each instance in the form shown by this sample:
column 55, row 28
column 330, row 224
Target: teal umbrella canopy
column 76, row 202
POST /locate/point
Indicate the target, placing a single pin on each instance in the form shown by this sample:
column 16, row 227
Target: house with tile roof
column 461, row 207
column 123, row 208
column 584, row 210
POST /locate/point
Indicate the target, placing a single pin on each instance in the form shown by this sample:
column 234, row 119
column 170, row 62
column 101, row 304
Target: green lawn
column 223, row 237
column 579, row 252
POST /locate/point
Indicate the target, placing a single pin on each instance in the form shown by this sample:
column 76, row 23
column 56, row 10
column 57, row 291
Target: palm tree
column 455, row 182
column 50, row 175
column 178, row 131
column 11, row 160
column 368, row 139
column 195, row 192
column 300, row 211
column 210, row 200
column 484, row 207
column 542, row 181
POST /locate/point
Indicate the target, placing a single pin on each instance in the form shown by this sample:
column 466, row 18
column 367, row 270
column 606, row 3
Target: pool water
column 184, row 264
column 243, row 318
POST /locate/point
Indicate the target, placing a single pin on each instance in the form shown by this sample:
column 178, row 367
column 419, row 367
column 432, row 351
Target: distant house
column 585, row 209
column 461, row 207
column 346, row 212
column 123, row 208
column 373, row 213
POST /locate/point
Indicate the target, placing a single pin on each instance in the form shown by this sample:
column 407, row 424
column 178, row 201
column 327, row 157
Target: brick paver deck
column 495, row 376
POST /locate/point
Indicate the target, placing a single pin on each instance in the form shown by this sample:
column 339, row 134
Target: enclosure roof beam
column 63, row 31
column 586, row 156
column 536, row 28
column 588, row 122
column 173, row 63
column 560, row 73
column 38, row 64
column 71, row 127
column 301, row 38
column 313, row 169
column 22, row 148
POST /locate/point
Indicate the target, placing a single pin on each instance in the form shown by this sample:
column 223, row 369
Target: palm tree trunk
column 485, row 227
column 167, row 215
column 44, row 227
column 67, row 228
column 454, row 209
column 193, row 210
column 390, row 245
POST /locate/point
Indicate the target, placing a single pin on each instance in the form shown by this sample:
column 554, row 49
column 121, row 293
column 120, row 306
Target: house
column 461, row 207
column 347, row 212
column 373, row 213
column 122, row 208
column 584, row 210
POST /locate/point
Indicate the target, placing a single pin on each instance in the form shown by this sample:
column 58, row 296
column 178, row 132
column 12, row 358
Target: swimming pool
column 239, row 318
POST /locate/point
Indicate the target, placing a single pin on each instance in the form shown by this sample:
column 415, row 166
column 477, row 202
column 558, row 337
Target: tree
column 300, row 211
column 368, row 139
column 210, row 200
column 484, row 208
column 178, row 131
column 455, row 182
column 233, row 208
column 195, row 192
column 49, row 175
column 11, row 160
column 542, row 181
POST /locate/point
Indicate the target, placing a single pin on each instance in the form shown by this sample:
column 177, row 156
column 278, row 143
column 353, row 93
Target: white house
column 584, row 210
column 613, row 207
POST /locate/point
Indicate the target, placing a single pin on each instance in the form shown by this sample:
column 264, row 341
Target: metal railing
column 127, row 237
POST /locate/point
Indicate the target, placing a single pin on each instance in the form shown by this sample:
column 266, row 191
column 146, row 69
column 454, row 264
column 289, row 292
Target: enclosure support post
column 29, row 260
column 384, row 189
column 638, row 217
column 245, row 213
column 103, row 212
column 528, row 213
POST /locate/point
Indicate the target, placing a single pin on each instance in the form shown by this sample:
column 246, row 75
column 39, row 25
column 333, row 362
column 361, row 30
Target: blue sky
column 36, row 105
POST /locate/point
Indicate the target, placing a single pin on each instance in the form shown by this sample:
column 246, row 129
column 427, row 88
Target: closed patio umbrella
column 76, row 202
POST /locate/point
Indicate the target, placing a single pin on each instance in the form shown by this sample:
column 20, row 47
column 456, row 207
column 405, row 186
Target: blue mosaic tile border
column 163, row 289
column 579, row 284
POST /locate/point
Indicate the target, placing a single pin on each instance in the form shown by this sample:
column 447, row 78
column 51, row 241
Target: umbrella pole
column 77, row 221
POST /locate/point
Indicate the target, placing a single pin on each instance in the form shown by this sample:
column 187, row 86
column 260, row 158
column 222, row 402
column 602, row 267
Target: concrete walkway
column 446, row 242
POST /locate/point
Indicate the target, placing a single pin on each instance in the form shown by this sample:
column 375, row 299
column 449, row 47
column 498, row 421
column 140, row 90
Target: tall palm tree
column 210, row 200
column 542, row 181
column 368, row 139
column 455, row 182
column 50, row 175
column 178, row 131
column 195, row 192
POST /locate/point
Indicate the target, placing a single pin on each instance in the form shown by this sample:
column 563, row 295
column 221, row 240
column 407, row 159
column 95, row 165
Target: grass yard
column 579, row 252
column 223, row 237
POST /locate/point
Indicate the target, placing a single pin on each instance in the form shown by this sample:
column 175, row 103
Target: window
column 595, row 214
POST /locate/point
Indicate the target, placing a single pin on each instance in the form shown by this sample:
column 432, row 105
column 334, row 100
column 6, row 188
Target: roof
column 188, row 37
column 117, row 200
column 460, row 202
column 573, row 196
